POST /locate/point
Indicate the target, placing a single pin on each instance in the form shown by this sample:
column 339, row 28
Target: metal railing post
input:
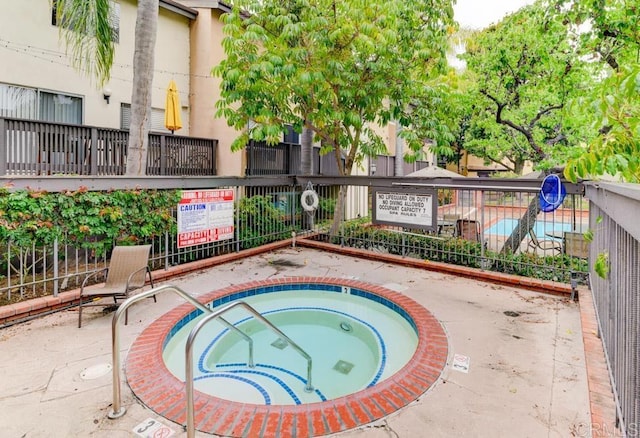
column 118, row 411
column 56, row 268
column 191, row 430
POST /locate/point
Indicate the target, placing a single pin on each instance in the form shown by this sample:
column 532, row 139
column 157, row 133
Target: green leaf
column 601, row 265
column 588, row 235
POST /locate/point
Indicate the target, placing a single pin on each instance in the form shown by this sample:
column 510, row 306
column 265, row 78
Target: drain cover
column 343, row 367
column 95, row 371
column 280, row 343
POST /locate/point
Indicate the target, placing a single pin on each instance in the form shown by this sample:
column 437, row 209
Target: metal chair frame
column 127, row 272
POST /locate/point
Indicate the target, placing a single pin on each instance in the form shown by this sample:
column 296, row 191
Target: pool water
column 504, row 227
column 354, row 343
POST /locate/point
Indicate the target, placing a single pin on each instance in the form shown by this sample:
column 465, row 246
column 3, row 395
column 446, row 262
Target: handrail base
column 112, row 415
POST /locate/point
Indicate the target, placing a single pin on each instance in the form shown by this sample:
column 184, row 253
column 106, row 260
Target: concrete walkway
column 526, row 378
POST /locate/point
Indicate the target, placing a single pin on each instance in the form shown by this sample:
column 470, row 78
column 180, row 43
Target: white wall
column 33, row 55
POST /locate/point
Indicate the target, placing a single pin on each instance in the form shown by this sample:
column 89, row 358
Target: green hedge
column 84, row 218
column 360, row 234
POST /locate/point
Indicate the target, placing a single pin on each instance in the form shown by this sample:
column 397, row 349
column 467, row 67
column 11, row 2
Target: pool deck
column 528, row 374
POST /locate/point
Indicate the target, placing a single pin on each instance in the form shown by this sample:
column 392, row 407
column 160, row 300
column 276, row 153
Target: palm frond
column 87, row 29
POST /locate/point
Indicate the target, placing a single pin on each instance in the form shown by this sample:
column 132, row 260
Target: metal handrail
column 118, row 411
column 189, row 356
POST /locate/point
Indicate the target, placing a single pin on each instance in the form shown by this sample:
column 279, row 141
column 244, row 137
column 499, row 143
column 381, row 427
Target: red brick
column 361, row 415
column 317, row 422
column 302, row 424
column 257, row 422
column 345, row 415
column 287, row 424
column 272, row 424
column 332, row 418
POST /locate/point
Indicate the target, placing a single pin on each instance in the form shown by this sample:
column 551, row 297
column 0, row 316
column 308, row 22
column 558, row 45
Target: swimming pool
column 504, row 227
column 386, row 385
column 355, row 342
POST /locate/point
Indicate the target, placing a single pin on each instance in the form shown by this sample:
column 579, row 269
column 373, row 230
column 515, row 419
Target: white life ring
column 304, row 200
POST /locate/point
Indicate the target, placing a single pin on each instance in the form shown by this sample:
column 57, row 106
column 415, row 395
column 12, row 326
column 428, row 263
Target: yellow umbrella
column 172, row 109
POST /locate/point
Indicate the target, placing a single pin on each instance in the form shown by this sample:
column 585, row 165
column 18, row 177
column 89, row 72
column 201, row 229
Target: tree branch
column 527, row 133
column 543, row 112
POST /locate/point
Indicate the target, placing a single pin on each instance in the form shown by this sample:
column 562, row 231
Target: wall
column 207, row 52
column 33, row 55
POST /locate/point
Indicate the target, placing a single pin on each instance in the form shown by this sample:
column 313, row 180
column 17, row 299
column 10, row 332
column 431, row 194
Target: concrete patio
column 527, row 373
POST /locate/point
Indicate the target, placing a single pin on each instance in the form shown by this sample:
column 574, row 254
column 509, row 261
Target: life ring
column 306, row 195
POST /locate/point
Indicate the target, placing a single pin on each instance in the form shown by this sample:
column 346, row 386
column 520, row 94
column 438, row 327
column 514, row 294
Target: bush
column 360, row 233
column 260, row 222
column 94, row 220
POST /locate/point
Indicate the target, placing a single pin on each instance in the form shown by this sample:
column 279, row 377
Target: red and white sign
column 205, row 216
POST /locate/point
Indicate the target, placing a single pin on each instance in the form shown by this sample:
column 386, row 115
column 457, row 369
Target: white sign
column 461, row 363
column 151, row 428
column 205, row 216
column 405, row 208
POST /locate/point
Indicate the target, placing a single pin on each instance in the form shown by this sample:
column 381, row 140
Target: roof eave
column 179, row 9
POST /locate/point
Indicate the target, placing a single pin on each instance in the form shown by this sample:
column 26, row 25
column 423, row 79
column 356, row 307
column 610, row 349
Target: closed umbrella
column 172, row 109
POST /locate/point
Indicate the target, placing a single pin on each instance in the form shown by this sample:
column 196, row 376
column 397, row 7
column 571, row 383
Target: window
column 114, row 19
column 157, row 118
column 62, row 108
column 33, row 104
column 291, row 136
column 18, row 102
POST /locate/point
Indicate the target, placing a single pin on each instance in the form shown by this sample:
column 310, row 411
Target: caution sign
column 410, row 210
column 205, row 216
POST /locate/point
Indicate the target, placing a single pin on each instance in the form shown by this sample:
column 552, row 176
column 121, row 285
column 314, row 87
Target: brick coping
column 601, row 400
column 162, row 392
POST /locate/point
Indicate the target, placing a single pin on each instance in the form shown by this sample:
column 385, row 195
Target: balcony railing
column 29, row 147
column 36, row 148
column 285, row 159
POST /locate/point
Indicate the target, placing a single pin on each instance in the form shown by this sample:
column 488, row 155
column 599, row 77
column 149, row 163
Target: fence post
column 250, row 158
column 163, row 154
column 214, row 161
column 93, row 152
column 56, row 285
column 3, row 148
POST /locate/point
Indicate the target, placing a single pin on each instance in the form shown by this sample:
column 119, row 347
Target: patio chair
column 127, row 271
column 468, row 229
column 543, row 244
column 448, row 225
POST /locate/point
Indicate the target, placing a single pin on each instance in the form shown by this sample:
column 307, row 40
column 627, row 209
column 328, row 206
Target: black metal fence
column 269, row 209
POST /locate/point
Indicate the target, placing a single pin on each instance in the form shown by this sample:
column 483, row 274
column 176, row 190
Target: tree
column 87, row 31
column 337, row 69
column 612, row 105
column 526, row 71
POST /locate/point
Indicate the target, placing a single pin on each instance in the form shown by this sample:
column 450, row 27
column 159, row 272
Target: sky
column 478, row 14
